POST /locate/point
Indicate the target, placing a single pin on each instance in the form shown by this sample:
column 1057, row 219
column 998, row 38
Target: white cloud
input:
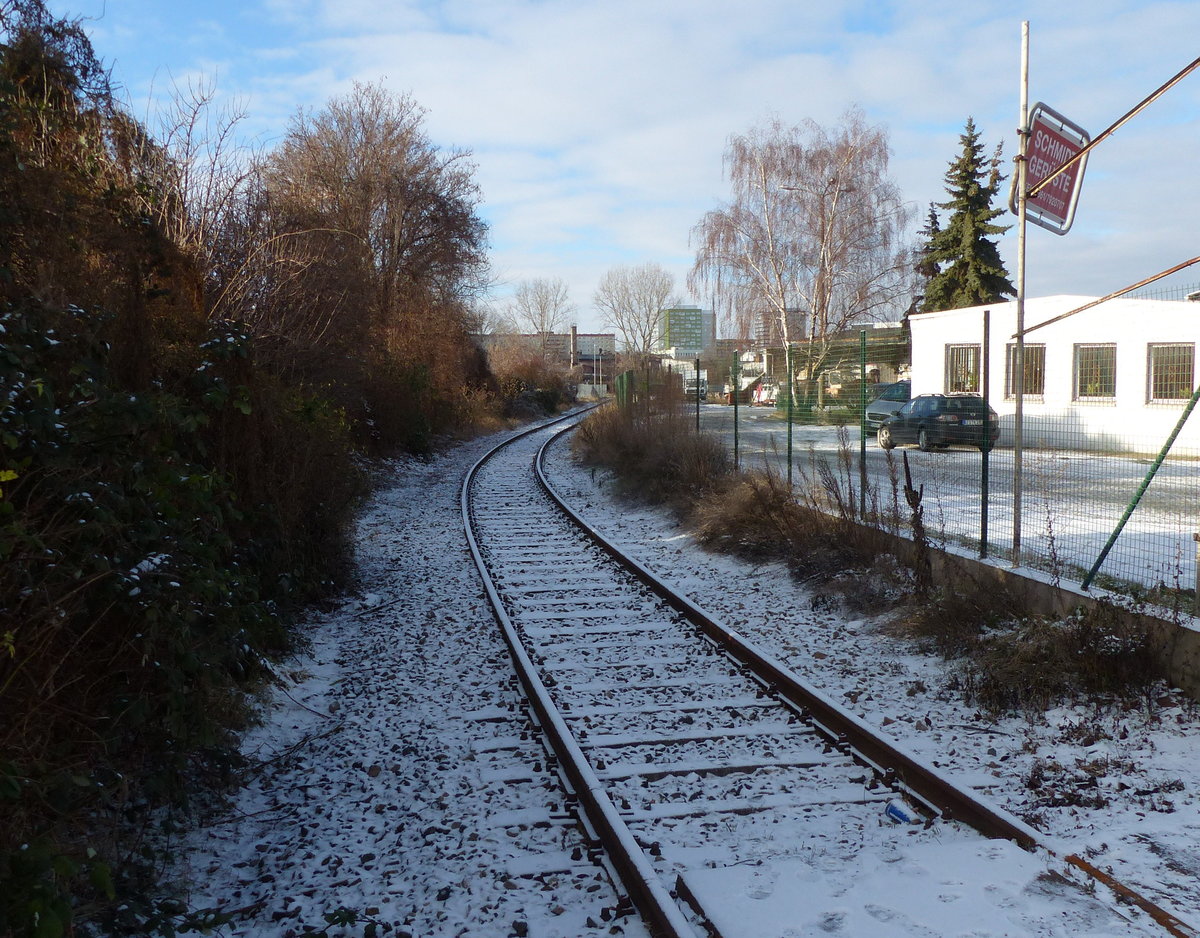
column 598, row 125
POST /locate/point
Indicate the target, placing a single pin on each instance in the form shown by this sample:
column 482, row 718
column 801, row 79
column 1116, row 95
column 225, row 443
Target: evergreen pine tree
column 924, row 267
column 969, row 271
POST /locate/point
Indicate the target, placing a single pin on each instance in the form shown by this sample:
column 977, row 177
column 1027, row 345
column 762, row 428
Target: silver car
column 890, row 399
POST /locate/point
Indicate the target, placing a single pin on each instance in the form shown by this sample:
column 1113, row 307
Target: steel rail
column 916, row 777
column 656, row 905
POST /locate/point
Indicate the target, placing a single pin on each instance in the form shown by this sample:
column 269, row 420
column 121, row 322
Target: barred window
column 962, row 368
column 1035, row 371
column 1171, row 371
column 1095, row 372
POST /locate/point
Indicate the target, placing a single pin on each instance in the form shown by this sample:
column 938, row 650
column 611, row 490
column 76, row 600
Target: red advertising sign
column 1053, row 141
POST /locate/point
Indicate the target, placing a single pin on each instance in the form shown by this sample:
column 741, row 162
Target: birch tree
column 813, row 235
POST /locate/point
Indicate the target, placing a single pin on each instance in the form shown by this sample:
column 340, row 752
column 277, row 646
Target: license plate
column 972, row 423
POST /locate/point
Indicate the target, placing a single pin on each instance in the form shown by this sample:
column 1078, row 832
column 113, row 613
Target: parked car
column 935, row 421
column 889, row 398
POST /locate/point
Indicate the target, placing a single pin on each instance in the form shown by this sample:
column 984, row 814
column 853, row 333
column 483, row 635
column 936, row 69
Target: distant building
column 727, row 349
column 596, row 354
column 685, row 331
column 769, row 332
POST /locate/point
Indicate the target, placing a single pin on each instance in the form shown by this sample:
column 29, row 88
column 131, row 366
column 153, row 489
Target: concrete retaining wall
column 1177, row 644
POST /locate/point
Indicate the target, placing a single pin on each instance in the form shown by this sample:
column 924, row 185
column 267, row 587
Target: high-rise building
column 768, row 331
column 686, row 331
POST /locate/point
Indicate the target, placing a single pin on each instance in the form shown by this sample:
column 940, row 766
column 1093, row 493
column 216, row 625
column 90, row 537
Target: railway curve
column 694, row 756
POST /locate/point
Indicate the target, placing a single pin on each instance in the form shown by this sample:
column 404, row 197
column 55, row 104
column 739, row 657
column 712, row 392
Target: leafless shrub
column 952, row 618
column 1047, row 476
column 657, row 457
column 1041, row 662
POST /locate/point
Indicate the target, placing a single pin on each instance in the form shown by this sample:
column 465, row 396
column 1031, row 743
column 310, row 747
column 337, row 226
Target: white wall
column 1128, row 422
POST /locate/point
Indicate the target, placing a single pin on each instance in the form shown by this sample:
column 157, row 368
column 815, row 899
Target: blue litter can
column 899, row 812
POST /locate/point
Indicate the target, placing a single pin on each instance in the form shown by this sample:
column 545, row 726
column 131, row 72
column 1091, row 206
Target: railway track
column 727, row 796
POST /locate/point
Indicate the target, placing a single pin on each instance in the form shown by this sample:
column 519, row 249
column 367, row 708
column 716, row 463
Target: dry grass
column 657, row 458
column 952, row 618
column 1008, row 659
column 1041, row 662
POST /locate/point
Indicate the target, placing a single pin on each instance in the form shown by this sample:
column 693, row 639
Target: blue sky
column 598, row 125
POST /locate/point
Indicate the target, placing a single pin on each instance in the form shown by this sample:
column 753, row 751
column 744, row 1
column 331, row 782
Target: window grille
column 1171, row 371
column 1035, row 371
column 1095, row 372
column 962, row 368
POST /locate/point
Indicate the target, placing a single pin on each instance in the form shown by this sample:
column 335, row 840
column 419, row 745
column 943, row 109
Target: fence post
column 862, row 424
column 985, row 382
column 789, row 414
column 697, row 394
column 736, row 395
column 1196, row 606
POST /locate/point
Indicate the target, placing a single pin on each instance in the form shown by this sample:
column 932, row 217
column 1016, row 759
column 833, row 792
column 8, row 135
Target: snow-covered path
column 393, row 769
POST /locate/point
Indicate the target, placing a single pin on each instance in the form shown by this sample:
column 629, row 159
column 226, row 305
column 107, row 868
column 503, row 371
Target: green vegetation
column 197, row 351
column 961, row 261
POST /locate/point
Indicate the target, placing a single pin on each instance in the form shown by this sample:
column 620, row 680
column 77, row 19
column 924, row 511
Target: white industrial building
column 1113, row 377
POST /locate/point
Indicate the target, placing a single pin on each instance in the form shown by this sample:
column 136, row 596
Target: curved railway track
column 694, row 757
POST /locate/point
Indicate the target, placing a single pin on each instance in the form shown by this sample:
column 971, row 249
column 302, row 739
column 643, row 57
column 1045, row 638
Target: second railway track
column 714, row 779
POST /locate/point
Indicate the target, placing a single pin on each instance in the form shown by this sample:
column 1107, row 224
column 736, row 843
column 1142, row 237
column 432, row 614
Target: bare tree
column 541, row 305
column 632, row 299
column 814, row 233
column 484, row 318
column 206, row 167
column 388, row 209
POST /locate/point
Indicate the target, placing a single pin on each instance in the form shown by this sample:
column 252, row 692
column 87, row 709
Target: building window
column 1095, row 372
column 962, row 368
column 1170, row 372
column 1035, row 371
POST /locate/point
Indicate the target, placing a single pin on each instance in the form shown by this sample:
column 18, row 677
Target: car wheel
column 923, row 441
column 986, row 448
column 885, row 438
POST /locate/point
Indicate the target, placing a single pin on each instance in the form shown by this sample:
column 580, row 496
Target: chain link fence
column 1101, row 501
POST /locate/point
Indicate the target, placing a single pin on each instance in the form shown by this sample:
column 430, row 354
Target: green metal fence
column 1111, row 510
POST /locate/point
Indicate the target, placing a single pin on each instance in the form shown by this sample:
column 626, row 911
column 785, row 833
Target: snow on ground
column 1136, row 766
column 393, row 778
column 397, row 778
column 1073, row 499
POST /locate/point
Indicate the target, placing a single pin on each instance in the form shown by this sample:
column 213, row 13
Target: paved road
column 1072, row 500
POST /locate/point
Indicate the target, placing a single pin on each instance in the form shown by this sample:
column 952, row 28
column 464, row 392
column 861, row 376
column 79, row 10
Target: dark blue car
column 935, row 421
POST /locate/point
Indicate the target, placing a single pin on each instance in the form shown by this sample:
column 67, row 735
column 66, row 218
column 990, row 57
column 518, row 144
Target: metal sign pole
column 1019, row 364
